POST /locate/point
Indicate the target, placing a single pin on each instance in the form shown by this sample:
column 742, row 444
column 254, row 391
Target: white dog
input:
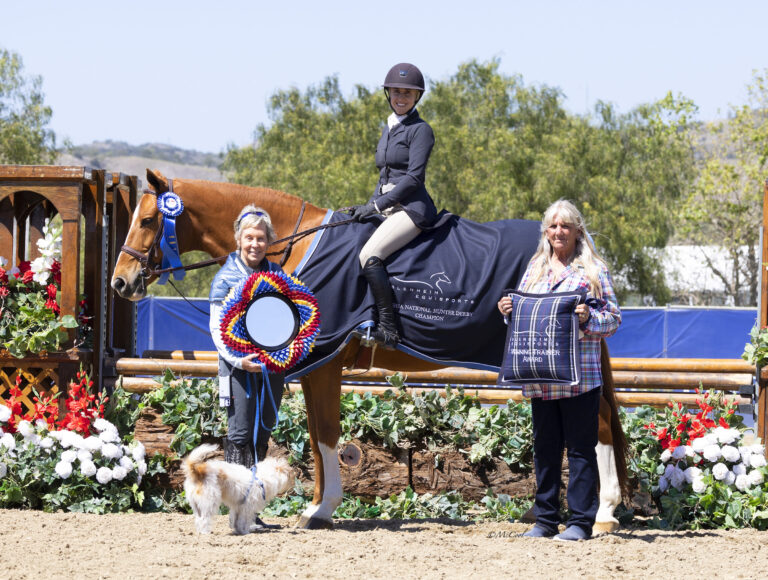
column 210, row 483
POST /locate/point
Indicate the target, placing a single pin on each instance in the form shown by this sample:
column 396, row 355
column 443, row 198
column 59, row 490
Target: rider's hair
column 585, row 256
column 254, row 217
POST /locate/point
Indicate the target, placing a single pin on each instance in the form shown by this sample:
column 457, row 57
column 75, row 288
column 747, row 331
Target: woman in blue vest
column 253, row 233
column 400, row 196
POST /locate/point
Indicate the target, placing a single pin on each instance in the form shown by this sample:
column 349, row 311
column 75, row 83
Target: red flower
column 3, row 276
column 723, row 423
column 56, row 272
column 51, row 290
column 27, row 277
column 52, row 305
column 24, row 267
column 4, row 291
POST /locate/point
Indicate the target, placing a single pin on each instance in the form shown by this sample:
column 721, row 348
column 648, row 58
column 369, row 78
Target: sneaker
column 538, row 532
column 572, row 534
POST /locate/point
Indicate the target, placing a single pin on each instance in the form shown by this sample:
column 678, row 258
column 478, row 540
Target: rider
column 400, row 196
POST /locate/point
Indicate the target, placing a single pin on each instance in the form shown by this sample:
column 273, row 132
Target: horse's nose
column 118, row 284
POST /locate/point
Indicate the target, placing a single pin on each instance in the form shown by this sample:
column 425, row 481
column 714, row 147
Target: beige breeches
column 395, row 231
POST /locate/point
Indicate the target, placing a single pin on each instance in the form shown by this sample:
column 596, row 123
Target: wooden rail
column 638, row 381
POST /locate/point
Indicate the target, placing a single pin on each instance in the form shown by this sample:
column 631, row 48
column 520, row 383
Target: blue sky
column 199, row 77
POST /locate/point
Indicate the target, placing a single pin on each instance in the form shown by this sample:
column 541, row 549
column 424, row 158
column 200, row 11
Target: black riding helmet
column 404, row 76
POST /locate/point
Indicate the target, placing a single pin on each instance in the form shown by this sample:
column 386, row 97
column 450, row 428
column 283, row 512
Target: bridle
column 150, row 259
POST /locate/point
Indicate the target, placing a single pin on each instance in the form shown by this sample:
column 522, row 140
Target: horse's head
column 141, row 248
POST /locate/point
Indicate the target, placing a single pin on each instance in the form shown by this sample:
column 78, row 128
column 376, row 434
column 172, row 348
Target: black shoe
column 259, row 524
column 238, row 454
column 386, row 329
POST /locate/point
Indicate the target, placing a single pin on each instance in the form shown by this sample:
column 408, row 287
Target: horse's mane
column 238, row 189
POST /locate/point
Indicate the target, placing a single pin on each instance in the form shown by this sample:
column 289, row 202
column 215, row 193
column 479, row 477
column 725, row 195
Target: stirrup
column 384, row 338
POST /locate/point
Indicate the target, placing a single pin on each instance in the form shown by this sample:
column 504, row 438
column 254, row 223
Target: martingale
column 234, row 332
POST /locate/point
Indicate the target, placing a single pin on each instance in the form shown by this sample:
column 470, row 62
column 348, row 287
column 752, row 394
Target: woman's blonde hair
column 254, row 217
column 585, row 255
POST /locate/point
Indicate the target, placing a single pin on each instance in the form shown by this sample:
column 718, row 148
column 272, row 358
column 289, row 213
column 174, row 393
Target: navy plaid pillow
column 542, row 340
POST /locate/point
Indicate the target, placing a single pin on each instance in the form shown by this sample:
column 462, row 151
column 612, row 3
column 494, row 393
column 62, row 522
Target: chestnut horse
column 205, row 224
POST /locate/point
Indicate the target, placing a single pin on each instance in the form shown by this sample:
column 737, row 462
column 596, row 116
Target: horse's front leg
column 610, row 488
column 322, row 391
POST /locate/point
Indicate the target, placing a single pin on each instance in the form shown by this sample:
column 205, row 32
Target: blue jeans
column 570, row 422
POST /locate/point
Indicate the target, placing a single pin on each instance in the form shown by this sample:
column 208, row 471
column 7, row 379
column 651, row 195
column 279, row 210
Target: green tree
column 503, row 150
column 24, row 134
column 724, row 209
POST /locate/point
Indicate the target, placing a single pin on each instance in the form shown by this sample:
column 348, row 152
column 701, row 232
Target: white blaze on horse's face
column 127, row 279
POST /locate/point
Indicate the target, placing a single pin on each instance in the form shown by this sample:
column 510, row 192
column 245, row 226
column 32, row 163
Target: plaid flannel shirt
column 603, row 322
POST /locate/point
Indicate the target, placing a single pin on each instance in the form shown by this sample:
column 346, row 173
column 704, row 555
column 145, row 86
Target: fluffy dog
column 209, row 483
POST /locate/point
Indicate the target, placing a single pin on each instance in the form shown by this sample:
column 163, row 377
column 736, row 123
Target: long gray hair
column 254, row 217
column 585, row 254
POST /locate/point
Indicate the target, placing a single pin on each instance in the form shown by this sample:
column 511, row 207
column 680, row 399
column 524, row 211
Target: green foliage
column 426, row 421
column 724, row 207
column 503, row 150
column 756, row 350
column 196, row 283
column 191, row 407
column 24, row 134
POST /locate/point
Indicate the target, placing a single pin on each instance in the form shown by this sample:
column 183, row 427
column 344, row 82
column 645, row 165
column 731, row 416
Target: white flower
column 63, row 469
column 69, row 455
column 47, row 443
column 679, row 452
column 666, row 455
column 25, row 429
column 41, row 269
column 139, row 451
column 755, row 477
column 101, row 424
column 110, row 436
column 726, row 435
column 127, row 463
column 746, row 454
column 3, row 262
column 678, row 478
column 83, row 455
column 104, row 475
column 712, row 453
column 739, row 469
column 700, row 443
column 8, row 441
column 757, row 449
column 663, row 483
column 730, row 477
column 757, row 460
column 692, row 473
column 141, row 467
column 92, row 443
column 730, row 453
column 742, row 482
column 719, row 471
column 698, row 485
column 119, row 472
column 3, row 470
column 111, row 451
column 88, row 468
column 5, row 413
column 689, row 451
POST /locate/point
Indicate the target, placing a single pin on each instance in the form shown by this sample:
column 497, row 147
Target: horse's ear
column 157, row 180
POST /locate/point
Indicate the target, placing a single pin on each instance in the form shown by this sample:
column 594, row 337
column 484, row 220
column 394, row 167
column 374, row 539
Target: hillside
column 117, row 156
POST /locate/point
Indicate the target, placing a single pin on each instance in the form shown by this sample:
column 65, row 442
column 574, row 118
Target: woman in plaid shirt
column 564, row 415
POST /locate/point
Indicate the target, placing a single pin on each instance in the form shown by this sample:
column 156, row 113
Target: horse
column 209, row 209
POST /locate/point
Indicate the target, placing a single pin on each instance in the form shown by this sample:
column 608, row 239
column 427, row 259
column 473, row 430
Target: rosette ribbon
column 234, row 333
column 170, row 205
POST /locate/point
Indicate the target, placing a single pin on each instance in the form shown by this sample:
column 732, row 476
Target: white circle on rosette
column 271, row 321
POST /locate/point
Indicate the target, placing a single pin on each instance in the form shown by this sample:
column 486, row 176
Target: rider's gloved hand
column 360, row 212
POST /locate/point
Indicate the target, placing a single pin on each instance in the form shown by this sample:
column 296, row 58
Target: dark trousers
column 241, row 413
column 570, row 422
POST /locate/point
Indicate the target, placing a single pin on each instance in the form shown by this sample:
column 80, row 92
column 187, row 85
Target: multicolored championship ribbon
column 273, row 315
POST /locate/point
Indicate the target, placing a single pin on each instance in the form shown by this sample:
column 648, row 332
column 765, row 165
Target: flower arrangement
column 77, row 462
column 707, row 470
column 30, row 318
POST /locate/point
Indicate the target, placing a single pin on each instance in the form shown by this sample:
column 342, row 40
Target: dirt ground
column 65, row 545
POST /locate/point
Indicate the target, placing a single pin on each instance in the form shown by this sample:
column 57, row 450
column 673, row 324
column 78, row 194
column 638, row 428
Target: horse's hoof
column 605, row 527
column 314, row 523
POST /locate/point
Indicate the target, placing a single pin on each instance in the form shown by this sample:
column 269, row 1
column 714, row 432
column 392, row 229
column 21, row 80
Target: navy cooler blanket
column 446, row 285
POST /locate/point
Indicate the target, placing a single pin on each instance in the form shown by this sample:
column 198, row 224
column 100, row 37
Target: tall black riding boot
column 386, row 329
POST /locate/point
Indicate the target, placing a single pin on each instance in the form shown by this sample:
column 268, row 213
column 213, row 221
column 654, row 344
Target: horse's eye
column 147, row 221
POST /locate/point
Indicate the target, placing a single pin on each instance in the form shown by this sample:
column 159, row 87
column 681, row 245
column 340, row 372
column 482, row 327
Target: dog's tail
column 194, row 463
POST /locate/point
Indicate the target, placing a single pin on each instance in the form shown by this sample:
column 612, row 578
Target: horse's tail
column 620, row 444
